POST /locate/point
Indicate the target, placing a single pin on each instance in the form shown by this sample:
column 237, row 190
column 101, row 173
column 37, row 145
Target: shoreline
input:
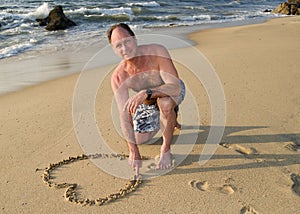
column 50, row 65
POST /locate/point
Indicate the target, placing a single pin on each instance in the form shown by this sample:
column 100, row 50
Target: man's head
column 121, row 25
column 122, row 40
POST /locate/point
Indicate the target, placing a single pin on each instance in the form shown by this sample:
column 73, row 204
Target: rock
column 42, row 22
column 267, row 11
column 291, row 7
column 296, row 2
column 56, row 20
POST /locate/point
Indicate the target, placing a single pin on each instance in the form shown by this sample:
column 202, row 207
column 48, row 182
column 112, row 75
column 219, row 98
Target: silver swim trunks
column 146, row 117
column 182, row 93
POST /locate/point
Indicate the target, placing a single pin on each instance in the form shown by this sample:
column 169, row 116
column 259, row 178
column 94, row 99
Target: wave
column 144, row 4
column 101, row 11
column 40, row 13
column 149, row 20
column 235, row 2
column 201, row 8
column 16, row 49
column 228, row 4
column 196, row 18
column 107, row 17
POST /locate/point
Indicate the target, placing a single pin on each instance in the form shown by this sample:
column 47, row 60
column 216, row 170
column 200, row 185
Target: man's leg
column 141, row 138
column 178, row 125
column 168, row 120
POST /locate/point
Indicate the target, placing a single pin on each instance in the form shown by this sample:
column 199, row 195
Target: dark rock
column 291, row 7
column 56, row 20
column 267, row 11
column 42, row 22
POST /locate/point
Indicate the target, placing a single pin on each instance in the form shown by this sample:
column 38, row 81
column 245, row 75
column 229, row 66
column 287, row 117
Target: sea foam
column 40, row 13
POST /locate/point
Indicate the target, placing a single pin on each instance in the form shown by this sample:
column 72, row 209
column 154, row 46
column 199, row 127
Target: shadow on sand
column 230, row 138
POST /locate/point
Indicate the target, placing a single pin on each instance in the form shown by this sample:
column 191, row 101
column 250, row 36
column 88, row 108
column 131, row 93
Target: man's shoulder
column 119, row 72
column 120, row 67
column 154, row 48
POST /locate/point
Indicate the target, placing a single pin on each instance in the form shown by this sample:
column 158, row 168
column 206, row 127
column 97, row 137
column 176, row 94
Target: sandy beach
column 255, row 169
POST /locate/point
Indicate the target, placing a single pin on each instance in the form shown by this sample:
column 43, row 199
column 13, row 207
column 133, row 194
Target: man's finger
column 134, row 109
column 137, row 171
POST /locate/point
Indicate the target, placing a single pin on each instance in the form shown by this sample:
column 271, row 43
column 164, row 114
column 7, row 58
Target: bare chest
column 144, row 80
column 143, row 74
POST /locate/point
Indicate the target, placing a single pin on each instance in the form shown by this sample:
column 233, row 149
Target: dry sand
column 254, row 169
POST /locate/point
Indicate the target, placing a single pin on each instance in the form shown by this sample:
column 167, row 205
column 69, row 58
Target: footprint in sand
column 244, row 150
column 248, row 210
column 241, row 149
column 152, row 166
column 296, row 186
column 292, row 147
column 204, row 186
column 201, row 185
column 227, row 189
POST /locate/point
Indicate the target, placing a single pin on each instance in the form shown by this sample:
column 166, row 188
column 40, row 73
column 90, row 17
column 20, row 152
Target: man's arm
column 121, row 95
column 168, row 73
column 120, row 90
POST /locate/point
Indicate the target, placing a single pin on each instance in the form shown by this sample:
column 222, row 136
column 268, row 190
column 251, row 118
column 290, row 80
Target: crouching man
column 149, row 71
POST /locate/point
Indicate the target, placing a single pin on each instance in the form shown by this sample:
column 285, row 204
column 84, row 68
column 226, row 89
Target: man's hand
column 135, row 164
column 135, row 160
column 133, row 102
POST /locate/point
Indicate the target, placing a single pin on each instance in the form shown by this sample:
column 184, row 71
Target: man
column 149, row 71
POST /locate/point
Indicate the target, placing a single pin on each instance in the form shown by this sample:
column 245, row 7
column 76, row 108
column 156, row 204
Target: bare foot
column 165, row 161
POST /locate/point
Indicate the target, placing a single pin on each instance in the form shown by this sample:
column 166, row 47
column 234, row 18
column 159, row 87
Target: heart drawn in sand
column 70, row 193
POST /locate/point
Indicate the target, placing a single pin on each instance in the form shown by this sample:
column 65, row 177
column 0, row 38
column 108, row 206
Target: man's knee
column 166, row 105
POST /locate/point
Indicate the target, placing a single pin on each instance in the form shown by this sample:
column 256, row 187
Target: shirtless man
column 149, row 71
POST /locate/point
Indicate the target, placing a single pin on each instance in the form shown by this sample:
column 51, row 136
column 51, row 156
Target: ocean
column 22, row 37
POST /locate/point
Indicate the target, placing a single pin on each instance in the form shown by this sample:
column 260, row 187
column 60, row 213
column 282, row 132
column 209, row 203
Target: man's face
column 123, row 44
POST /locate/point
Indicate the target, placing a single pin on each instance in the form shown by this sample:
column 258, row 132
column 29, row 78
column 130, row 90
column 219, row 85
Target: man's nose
column 124, row 48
